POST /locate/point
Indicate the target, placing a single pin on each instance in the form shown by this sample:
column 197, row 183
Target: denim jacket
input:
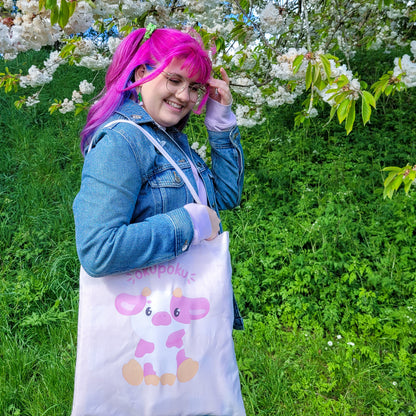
column 130, row 207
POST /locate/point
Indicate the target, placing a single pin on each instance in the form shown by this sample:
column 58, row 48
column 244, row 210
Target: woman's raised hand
column 215, row 223
column 219, row 89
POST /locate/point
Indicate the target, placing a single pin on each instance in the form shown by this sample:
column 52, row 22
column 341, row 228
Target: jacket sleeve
column 227, row 167
column 107, row 242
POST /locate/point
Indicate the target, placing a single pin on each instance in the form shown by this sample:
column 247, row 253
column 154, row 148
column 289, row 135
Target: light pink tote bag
column 158, row 341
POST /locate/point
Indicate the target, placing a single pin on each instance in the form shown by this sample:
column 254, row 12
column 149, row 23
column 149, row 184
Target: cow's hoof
column 151, row 379
column 187, row 370
column 133, row 372
column 167, row 379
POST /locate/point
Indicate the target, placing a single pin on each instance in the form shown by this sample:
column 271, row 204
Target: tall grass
column 324, row 268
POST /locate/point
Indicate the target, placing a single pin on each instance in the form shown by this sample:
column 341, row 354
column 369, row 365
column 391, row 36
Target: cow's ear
column 177, row 292
column 129, row 304
column 146, row 292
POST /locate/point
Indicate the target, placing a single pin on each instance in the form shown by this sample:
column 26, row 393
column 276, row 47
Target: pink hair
column 158, row 51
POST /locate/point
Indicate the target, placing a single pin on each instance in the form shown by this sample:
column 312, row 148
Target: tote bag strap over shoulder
column 163, row 152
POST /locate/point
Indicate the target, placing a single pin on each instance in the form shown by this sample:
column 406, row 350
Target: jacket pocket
column 168, row 190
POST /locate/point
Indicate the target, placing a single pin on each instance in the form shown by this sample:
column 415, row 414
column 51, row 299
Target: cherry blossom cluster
column 69, row 105
column 261, row 43
column 405, row 68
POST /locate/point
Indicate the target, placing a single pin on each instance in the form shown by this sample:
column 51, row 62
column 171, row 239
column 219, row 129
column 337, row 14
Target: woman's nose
column 183, row 93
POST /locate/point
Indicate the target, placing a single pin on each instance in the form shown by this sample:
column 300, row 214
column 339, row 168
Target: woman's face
column 165, row 107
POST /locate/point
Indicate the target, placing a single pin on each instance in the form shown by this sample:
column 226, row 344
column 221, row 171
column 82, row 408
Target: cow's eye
column 148, row 311
column 177, row 312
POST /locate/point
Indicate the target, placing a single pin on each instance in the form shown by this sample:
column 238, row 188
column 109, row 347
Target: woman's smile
column 165, row 107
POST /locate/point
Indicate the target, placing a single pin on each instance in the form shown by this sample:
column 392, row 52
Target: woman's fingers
column 219, row 88
column 215, row 223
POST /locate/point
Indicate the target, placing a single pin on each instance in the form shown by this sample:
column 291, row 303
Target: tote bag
column 158, row 341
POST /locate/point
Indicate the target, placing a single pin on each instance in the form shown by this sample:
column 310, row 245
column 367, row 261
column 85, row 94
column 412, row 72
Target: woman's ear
column 139, row 72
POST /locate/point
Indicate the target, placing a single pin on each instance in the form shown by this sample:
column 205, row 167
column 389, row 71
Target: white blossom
column 272, row 19
column 81, row 20
column 95, row 62
column 201, row 150
column 407, row 69
column 30, row 29
column 413, row 47
column 32, row 100
column 35, row 78
column 112, row 44
column 86, row 87
column 67, row 106
column 77, row 97
column 313, row 112
column 28, row 6
column 8, row 4
column 245, row 118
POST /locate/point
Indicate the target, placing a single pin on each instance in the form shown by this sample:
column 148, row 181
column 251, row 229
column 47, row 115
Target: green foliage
column 318, row 76
column 60, row 13
column 323, row 266
column 8, row 81
column 396, row 177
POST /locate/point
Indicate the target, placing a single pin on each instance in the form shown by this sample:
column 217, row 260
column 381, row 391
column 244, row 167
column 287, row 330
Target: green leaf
column 316, row 72
column 326, row 65
column 365, row 109
column 407, row 186
column 342, row 110
column 50, row 4
column 340, row 97
column 297, row 63
column 63, row 14
column 392, row 169
column 370, row 98
column 342, row 81
column 308, row 79
column 71, row 7
column 54, row 15
column 350, row 117
column 245, row 5
column 332, row 113
column 389, row 89
column 219, row 44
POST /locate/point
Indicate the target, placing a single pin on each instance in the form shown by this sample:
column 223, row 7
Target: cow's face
column 159, row 313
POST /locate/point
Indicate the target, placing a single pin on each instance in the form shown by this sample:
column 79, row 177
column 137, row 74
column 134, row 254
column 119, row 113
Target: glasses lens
column 176, row 84
column 200, row 91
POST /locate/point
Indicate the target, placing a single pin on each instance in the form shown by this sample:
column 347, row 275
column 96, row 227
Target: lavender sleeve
column 219, row 117
column 200, row 220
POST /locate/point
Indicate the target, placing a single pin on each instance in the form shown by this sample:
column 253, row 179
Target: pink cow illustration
column 160, row 319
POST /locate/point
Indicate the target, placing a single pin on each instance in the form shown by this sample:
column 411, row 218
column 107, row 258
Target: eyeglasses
column 175, row 84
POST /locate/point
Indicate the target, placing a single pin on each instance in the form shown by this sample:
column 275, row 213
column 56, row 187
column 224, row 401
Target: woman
column 133, row 210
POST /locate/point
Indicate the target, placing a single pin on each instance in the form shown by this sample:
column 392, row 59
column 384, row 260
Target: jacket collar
column 134, row 111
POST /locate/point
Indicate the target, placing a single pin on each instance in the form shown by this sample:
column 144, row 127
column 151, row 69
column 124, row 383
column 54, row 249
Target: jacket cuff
column 200, row 221
column 184, row 230
column 219, row 117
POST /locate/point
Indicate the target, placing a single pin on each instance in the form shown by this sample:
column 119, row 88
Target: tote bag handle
column 163, row 152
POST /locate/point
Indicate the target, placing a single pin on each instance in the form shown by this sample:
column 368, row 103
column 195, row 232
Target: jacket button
column 185, row 246
column 177, row 178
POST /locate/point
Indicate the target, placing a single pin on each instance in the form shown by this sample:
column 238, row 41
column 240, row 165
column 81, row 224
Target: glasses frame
column 202, row 89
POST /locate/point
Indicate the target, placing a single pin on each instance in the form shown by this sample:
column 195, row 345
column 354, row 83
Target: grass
column 323, row 267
